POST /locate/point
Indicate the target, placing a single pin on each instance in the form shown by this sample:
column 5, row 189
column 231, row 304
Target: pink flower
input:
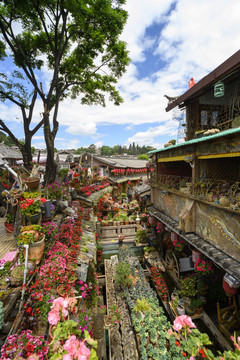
column 53, row 317
column 67, row 357
column 183, row 321
column 83, row 350
column 71, row 345
column 192, row 358
column 61, row 304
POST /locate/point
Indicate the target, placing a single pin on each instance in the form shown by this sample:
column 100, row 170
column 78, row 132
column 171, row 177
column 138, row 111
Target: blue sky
column 169, row 43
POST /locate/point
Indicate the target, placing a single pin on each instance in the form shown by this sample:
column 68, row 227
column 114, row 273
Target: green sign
column 219, row 89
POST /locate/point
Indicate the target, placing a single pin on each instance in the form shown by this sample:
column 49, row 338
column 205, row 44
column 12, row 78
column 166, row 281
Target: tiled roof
column 8, row 152
column 196, row 141
column 142, row 189
column 122, row 162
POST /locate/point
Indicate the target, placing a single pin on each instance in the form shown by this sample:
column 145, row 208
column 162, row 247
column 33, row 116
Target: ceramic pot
column 34, row 219
column 47, row 208
column 164, row 297
column 196, row 255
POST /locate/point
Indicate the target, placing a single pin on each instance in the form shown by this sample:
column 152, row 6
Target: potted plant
column 31, row 209
column 190, row 309
column 32, row 182
column 16, row 276
column 197, row 303
column 24, row 346
column 188, row 286
column 9, row 223
column 36, row 244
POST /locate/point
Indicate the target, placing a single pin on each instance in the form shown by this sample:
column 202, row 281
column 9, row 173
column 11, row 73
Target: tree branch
column 4, row 128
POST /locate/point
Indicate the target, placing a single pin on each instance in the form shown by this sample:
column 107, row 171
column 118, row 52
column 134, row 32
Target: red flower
column 43, row 200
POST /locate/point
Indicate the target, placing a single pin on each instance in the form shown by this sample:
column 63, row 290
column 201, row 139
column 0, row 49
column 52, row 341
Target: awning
column 125, row 179
column 226, row 262
column 176, row 158
column 216, row 156
column 142, row 190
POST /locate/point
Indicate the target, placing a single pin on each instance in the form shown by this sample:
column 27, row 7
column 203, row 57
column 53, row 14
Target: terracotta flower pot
column 63, row 292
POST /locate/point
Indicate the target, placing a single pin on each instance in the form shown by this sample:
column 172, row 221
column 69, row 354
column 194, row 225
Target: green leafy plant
column 9, row 218
column 188, row 286
column 197, row 303
column 142, row 305
column 37, row 228
column 122, row 274
column 141, row 237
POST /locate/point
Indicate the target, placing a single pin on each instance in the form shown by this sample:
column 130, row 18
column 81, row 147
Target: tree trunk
column 27, row 153
column 51, row 166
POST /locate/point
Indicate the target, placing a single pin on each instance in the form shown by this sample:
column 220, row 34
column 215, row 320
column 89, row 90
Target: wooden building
column 196, row 189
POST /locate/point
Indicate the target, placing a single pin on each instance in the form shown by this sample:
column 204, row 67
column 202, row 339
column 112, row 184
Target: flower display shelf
column 195, row 316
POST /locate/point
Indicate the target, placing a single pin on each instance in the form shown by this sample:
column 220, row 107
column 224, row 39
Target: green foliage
column 197, row 303
column 27, row 238
column 188, row 286
column 5, row 139
column 195, row 342
column 9, row 218
column 63, row 173
column 122, row 274
column 143, row 157
column 82, row 38
column 64, row 329
column 142, row 305
column 141, row 236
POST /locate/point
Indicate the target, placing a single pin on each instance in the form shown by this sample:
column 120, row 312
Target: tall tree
column 77, row 41
column 106, row 150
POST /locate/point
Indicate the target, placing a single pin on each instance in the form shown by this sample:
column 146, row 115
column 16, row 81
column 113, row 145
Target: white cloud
column 197, row 37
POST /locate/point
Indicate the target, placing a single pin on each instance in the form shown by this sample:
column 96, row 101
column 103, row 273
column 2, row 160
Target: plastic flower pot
column 8, row 227
column 180, row 309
